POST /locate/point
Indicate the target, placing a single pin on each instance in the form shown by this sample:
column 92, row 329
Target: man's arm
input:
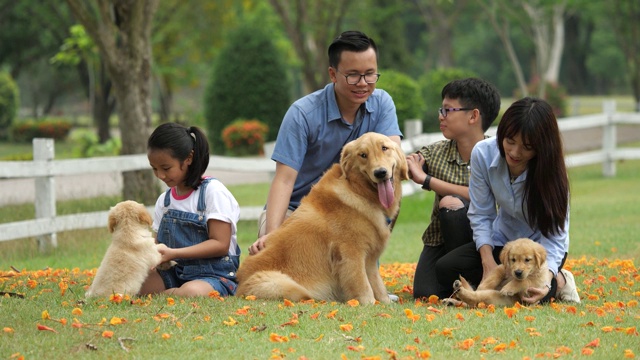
column 279, row 195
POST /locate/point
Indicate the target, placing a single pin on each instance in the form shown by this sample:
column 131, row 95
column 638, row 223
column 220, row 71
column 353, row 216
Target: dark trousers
column 456, row 231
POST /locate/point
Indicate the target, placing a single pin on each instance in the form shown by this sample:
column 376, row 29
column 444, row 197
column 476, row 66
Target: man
column 315, row 127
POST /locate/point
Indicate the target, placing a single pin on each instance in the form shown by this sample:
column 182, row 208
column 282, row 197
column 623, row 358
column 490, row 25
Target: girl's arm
column 216, row 246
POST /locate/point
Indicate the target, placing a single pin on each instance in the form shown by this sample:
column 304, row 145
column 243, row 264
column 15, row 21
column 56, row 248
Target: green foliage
column 26, row 131
column 248, row 81
column 9, row 102
column 76, row 47
column 87, row 144
column 405, row 92
column 431, row 84
column 245, row 137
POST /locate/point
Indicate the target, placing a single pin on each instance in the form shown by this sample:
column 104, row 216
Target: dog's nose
column 518, row 273
column 380, row 173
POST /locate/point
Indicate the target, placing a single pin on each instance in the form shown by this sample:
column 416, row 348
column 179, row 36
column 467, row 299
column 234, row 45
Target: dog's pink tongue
column 385, row 193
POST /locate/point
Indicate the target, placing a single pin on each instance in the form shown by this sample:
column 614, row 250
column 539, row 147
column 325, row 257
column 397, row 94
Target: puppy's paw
column 452, row 302
column 166, row 265
column 457, row 285
column 507, row 292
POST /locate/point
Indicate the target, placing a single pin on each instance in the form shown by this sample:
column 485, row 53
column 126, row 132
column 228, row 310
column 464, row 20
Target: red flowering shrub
column 53, row 129
column 245, row 137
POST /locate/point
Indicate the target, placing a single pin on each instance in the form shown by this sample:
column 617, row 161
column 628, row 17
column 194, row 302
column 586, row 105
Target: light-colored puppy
column 524, row 265
column 130, row 256
column 328, row 249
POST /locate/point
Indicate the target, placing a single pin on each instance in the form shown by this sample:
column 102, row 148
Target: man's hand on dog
column 259, row 245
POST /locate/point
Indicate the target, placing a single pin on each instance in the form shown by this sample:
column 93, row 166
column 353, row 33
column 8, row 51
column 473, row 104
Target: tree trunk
column 122, row 31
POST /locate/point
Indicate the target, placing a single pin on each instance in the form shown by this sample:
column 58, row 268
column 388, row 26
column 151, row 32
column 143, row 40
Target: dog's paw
column 166, row 265
column 507, row 292
column 452, row 302
column 457, row 285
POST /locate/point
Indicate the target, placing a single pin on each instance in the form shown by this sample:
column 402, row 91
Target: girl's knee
column 451, row 203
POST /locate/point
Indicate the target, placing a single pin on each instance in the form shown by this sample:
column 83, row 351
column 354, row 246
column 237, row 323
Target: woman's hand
column 488, row 262
column 535, row 295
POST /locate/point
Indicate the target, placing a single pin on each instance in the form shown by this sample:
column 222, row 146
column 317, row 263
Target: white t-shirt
column 220, row 205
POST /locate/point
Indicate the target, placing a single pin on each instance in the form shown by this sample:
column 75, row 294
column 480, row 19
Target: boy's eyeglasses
column 444, row 111
column 353, row 79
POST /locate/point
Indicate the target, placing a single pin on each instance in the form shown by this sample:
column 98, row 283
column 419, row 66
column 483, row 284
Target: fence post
column 45, row 199
column 609, row 139
column 412, row 128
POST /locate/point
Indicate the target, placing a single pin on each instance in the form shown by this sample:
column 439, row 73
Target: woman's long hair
column 546, row 189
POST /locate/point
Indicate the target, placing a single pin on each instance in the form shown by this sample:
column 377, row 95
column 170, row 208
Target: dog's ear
column 401, row 163
column 112, row 222
column 346, row 158
column 540, row 254
column 504, row 254
column 144, row 217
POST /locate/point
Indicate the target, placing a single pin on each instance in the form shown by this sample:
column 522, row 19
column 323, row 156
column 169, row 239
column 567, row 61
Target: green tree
column 405, row 92
column 248, row 81
column 121, row 30
column 9, row 103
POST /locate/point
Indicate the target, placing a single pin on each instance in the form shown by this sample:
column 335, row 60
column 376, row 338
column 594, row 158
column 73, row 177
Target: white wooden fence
column 44, row 169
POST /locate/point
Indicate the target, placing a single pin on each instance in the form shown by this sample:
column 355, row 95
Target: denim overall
column 180, row 229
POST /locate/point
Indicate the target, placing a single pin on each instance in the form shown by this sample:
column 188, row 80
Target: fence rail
column 44, row 169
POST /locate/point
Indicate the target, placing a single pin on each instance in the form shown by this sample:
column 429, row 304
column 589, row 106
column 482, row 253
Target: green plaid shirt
column 443, row 162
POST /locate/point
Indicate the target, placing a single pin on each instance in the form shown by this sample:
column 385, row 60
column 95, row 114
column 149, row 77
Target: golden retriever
column 523, row 265
column 130, row 256
column 328, row 249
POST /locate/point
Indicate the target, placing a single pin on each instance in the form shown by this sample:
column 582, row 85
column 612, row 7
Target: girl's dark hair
column 355, row 41
column 546, row 191
column 181, row 141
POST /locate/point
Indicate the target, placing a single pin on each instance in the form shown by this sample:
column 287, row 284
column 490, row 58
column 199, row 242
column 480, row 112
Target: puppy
column 328, row 249
column 130, row 256
column 524, row 265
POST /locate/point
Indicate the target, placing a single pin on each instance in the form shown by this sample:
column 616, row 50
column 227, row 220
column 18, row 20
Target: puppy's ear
column 112, row 222
column 540, row 254
column 504, row 254
column 346, row 158
column 144, row 217
column 401, row 163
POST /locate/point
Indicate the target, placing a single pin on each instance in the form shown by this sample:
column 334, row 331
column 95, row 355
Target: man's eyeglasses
column 444, row 111
column 353, row 79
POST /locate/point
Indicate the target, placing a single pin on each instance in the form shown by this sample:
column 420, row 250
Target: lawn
column 53, row 320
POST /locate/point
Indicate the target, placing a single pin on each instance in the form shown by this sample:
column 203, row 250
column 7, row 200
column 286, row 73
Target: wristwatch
column 426, row 183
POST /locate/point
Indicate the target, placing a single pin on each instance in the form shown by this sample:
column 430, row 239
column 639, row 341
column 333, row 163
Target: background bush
column 26, row 131
column 9, row 103
column 406, row 95
column 88, row 145
column 245, row 137
column 431, row 84
column 249, row 81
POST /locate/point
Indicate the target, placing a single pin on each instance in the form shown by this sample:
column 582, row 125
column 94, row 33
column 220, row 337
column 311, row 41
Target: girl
column 518, row 188
column 195, row 219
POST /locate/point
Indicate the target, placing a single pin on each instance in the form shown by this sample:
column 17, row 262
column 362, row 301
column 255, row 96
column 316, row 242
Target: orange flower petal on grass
column 45, row 328
column 510, row 311
column 353, row 302
column 594, row 343
column 107, row 334
column 273, row 337
column 7, row 330
column 346, row 327
column 628, row 354
column 76, row 311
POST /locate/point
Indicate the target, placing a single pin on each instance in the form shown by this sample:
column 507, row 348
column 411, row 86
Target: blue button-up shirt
column 313, row 133
column 496, row 212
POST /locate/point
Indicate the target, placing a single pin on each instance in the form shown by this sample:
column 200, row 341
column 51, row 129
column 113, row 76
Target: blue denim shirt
column 313, row 133
column 496, row 213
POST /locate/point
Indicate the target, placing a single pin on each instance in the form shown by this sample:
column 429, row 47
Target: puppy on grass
column 130, row 256
column 523, row 266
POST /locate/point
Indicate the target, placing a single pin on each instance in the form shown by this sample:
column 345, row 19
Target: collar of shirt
column 333, row 112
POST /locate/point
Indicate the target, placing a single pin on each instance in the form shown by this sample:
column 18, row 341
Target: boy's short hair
column 355, row 41
column 475, row 93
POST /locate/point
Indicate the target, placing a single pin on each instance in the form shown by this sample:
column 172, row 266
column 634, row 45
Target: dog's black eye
column 363, row 155
column 384, row 148
column 527, row 260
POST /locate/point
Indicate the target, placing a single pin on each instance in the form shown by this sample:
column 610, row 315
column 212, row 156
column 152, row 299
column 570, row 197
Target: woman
column 518, row 188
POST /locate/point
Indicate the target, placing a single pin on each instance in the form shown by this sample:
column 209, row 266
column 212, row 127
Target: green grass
column 603, row 232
